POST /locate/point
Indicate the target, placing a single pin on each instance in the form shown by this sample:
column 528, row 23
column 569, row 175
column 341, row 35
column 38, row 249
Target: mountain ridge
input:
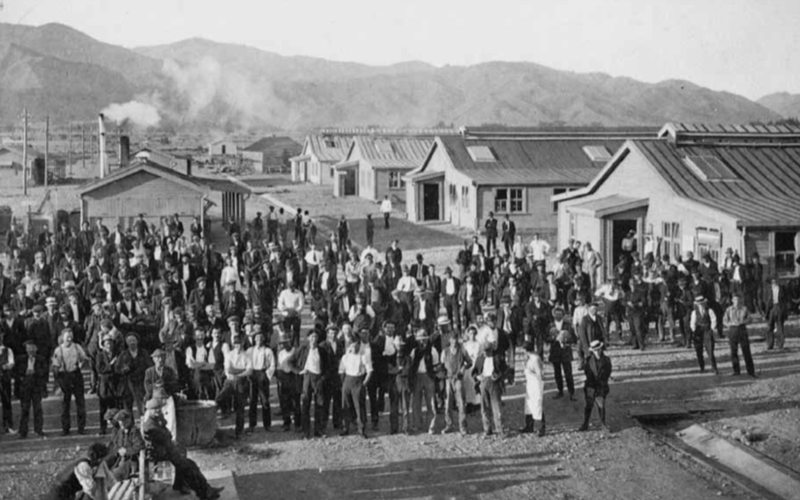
column 201, row 84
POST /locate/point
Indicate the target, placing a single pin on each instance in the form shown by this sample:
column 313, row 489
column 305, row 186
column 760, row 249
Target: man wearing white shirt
column 290, row 303
column 538, row 249
column 355, row 369
column 288, row 390
column 263, row 362
column 197, row 360
column 314, row 363
column 313, row 260
column 386, row 210
column 238, row 369
column 424, row 362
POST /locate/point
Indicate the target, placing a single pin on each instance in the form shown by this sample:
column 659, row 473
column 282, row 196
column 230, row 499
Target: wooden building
column 181, row 164
column 695, row 188
column 319, row 155
column 225, row 147
column 156, row 192
column 375, row 165
column 512, row 171
column 11, row 162
column 271, row 154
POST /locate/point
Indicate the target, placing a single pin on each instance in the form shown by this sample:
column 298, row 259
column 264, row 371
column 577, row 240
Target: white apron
column 534, row 386
column 470, row 395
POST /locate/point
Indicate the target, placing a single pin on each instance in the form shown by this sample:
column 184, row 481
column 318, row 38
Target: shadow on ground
column 441, row 478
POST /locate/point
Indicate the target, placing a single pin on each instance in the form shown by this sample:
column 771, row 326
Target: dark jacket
column 598, row 371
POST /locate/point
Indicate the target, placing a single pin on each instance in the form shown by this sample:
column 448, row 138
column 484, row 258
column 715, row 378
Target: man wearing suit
column 563, row 336
column 434, row 285
column 312, row 360
column 32, row 370
column 491, row 233
column 776, row 302
column 424, row 311
column 199, row 298
column 509, row 232
column 589, row 330
column 449, row 292
column 419, row 271
column 6, row 288
column 160, row 375
column 469, row 298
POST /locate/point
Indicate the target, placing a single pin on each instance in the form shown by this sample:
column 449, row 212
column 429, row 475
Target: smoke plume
column 139, row 113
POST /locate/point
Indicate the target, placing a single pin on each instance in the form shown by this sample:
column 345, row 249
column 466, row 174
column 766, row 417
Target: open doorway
column 430, row 201
column 620, row 229
column 349, row 183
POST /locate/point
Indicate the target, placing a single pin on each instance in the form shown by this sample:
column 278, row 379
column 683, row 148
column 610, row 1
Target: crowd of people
column 157, row 310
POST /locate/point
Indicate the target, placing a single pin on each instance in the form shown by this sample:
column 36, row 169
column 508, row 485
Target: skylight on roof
column 597, row 153
column 384, row 147
column 711, row 168
column 329, row 142
column 481, row 153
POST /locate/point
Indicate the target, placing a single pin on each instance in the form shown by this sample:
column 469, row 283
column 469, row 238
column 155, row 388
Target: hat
column 233, row 319
column 283, row 338
column 20, row 287
column 159, row 392
column 421, row 334
column 158, row 353
column 38, row 308
column 122, row 415
column 332, row 328
column 231, row 282
column 596, row 345
column 201, row 279
column 110, row 414
column 154, row 404
column 127, row 289
column 166, row 300
column 178, row 310
column 236, row 339
column 50, row 300
column 700, row 299
column 69, row 284
column 132, row 334
column 443, row 320
column 30, row 342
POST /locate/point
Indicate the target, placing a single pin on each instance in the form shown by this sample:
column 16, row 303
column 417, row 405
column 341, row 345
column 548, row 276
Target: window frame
column 781, row 256
column 396, row 182
column 511, row 201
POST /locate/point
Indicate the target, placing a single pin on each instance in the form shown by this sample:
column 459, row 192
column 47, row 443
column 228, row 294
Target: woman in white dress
column 534, row 391
column 471, row 345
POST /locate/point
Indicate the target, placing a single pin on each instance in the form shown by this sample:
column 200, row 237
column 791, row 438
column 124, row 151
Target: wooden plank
column 743, row 462
column 676, row 409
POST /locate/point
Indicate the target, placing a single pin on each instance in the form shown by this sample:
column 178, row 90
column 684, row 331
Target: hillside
column 783, row 103
column 201, row 84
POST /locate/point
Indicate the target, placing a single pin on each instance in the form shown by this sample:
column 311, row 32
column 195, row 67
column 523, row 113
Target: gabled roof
column 274, row 146
column 157, row 156
column 764, row 193
column 329, row 148
column 384, row 152
column 199, row 184
column 17, row 149
column 557, row 161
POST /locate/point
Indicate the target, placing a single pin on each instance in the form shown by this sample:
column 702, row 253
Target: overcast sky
column 745, row 46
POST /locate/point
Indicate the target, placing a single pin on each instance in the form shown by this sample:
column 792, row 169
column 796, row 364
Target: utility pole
column 24, row 151
column 69, row 146
column 46, row 147
column 83, row 146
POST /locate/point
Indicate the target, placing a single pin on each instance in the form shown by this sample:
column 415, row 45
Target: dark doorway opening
column 430, row 202
column 349, row 181
column 621, row 228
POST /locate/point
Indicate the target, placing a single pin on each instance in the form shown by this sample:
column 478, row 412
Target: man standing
column 263, row 362
column 33, row 369
column 589, row 330
column 386, row 210
column 272, row 225
column 509, row 233
column 132, row 364
column 491, row 233
column 561, row 353
column 598, row 372
column 736, row 319
column 455, row 361
column 424, row 361
column 355, row 370
column 313, row 363
column 384, row 363
column 238, row 369
column 489, row 369
column 290, row 303
column 776, row 301
column 370, row 227
column 703, row 322
column 539, row 249
column 67, row 362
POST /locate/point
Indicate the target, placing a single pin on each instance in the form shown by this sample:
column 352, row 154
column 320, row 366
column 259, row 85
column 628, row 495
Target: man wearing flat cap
column 124, row 446
column 32, row 368
column 703, row 322
column 132, row 365
column 598, row 371
column 238, row 369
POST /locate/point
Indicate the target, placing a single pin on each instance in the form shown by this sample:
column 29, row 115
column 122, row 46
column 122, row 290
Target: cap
column 110, row 414
column 443, row 320
column 158, row 353
column 122, row 415
column 700, row 299
column 30, row 342
column 159, row 392
column 50, row 300
column 236, row 339
column 332, row 328
column 38, row 308
column 421, row 334
column 132, row 334
column 596, row 345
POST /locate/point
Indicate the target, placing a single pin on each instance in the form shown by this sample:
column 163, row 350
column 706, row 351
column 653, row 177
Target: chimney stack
column 124, row 151
column 103, row 161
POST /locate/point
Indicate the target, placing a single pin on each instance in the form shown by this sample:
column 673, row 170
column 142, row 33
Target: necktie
column 419, row 273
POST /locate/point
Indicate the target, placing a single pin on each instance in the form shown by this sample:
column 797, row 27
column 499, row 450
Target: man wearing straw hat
column 598, row 371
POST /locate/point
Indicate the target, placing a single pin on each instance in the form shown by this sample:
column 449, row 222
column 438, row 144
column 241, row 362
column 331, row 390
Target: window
column 573, row 223
column 384, row 147
column 508, row 200
column 481, row 153
column 453, row 194
column 333, row 170
column 329, row 142
column 556, row 192
column 396, row 181
column 784, row 252
column 671, row 240
column 711, row 168
column 709, row 241
column 597, row 153
column 464, row 196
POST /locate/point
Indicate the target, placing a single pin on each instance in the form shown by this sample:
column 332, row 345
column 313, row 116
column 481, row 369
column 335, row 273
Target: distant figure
column 386, row 210
column 629, row 243
column 491, row 233
column 509, row 233
column 371, row 229
column 598, row 372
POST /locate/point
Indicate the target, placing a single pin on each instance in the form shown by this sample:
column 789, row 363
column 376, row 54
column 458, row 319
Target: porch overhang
column 423, row 176
column 346, row 165
column 608, row 205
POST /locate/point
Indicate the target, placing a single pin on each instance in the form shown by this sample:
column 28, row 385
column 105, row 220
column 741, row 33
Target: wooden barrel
column 196, row 422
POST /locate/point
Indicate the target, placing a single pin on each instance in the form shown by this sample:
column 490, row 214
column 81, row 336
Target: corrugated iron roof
column 155, row 168
column 275, row 145
column 329, row 148
column 521, row 161
column 766, row 193
column 393, row 152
